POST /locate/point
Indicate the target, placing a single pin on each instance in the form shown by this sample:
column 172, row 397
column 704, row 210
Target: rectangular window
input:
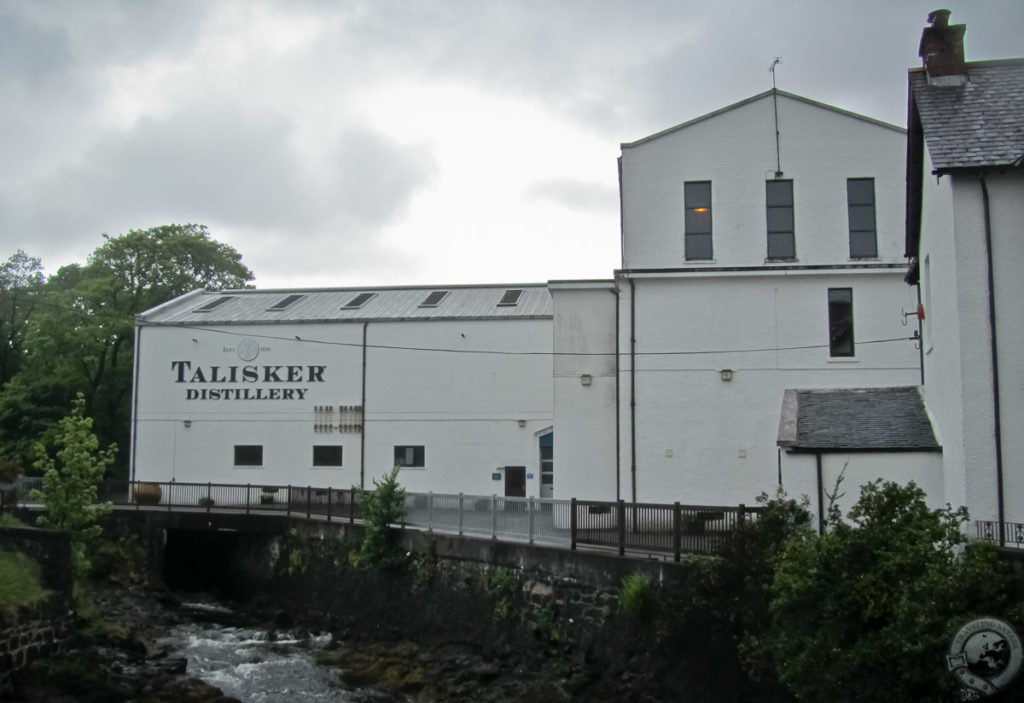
column 860, row 199
column 840, row 321
column 283, row 303
column 434, row 299
column 214, row 304
column 697, row 203
column 359, row 300
column 511, row 297
column 327, row 455
column 779, row 201
column 409, row 456
column 248, row 455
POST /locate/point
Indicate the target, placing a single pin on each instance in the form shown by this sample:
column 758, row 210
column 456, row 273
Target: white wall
column 584, row 344
column 464, row 408
column 735, row 150
column 700, row 439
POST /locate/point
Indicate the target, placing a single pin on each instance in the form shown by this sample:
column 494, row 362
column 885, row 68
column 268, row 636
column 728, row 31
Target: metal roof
column 252, row 306
column 977, row 124
column 856, row 419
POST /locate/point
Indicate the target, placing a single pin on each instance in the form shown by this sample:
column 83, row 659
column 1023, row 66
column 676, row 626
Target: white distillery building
column 332, row 388
column 762, row 252
column 965, row 206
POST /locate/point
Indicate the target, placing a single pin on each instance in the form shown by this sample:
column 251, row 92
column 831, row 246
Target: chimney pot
column 942, row 48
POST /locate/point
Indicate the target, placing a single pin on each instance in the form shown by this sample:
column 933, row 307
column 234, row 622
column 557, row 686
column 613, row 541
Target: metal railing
column 638, row 527
column 1011, row 535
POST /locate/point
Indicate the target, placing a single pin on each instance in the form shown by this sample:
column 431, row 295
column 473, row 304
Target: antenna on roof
column 775, row 103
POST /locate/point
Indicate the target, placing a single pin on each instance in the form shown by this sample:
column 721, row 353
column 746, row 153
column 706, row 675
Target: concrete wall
column 735, row 150
column 465, row 409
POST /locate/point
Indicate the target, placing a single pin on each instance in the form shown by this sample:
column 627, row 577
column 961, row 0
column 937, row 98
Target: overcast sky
column 392, row 142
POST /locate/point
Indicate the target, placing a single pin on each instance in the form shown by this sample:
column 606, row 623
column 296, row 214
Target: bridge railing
column 648, row 527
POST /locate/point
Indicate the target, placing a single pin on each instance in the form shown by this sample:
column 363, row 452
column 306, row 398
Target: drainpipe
column 135, row 402
column 618, row 427
column 362, row 435
column 994, row 345
column 920, row 332
column 821, row 496
column 632, row 383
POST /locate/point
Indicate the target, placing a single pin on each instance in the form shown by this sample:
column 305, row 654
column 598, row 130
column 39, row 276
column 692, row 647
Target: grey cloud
column 576, row 195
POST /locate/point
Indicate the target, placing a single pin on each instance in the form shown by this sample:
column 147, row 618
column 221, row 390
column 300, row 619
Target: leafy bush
column 865, row 612
column 20, row 582
column 636, row 595
column 381, row 507
column 504, row 585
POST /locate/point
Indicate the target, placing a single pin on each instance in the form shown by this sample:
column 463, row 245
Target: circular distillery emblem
column 248, row 350
column 985, row 656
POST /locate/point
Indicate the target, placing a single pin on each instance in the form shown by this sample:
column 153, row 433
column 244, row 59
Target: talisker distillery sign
column 250, row 382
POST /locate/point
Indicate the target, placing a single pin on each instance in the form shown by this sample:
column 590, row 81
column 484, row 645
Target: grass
column 20, row 582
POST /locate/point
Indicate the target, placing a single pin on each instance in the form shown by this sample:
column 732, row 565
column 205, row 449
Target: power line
column 508, row 352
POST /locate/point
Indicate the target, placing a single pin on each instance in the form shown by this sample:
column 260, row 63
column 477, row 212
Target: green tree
column 21, row 279
column 71, row 484
column 380, row 508
column 81, row 339
column 865, row 612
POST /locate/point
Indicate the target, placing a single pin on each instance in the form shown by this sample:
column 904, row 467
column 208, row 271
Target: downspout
column 994, row 345
column 632, row 383
column 135, row 401
column 821, row 497
column 920, row 333
column 618, row 411
column 362, row 435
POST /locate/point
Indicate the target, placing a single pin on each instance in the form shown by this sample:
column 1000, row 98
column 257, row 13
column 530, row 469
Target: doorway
column 515, row 481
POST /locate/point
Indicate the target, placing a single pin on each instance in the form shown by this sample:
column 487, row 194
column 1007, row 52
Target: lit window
column 697, row 220
column 779, row 213
column 248, row 455
column 860, row 199
column 409, row 455
column 840, row 321
column 327, row 455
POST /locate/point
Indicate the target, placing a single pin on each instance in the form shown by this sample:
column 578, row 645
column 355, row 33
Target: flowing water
column 260, row 666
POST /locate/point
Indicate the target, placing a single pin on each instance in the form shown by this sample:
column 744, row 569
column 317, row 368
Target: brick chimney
column 942, row 48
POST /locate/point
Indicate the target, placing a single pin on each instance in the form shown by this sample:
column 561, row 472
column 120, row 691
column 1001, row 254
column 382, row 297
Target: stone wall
column 43, row 629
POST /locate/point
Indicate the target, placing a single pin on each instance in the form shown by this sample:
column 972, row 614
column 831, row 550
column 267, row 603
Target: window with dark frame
column 327, row 455
column 409, row 455
column 214, row 304
column 510, row 298
column 285, row 302
column 432, row 300
column 248, row 455
column 697, row 221
column 779, row 213
column 840, row 321
column 860, row 200
column 359, row 300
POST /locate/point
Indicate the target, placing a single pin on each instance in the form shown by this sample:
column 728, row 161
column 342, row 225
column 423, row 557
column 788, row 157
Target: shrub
column 380, row 508
column 20, row 582
column 636, row 595
column 504, row 585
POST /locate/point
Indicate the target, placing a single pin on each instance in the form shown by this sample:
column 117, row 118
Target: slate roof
column 856, row 419
column 252, row 306
column 977, row 124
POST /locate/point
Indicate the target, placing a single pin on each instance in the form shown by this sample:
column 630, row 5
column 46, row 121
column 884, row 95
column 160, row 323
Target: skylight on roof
column 285, row 302
column 214, row 304
column 432, row 300
column 358, row 301
column 511, row 297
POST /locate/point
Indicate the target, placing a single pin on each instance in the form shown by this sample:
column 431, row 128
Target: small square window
column 327, row 455
column 248, row 455
column 408, row 455
column 840, row 321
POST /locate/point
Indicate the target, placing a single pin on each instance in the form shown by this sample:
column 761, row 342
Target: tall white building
column 965, row 206
column 335, row 387
column 762, row 250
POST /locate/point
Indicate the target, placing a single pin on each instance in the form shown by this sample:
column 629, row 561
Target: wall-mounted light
column 586, row 379
column 522, row 423
column 188, row 423
column 726, row 374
